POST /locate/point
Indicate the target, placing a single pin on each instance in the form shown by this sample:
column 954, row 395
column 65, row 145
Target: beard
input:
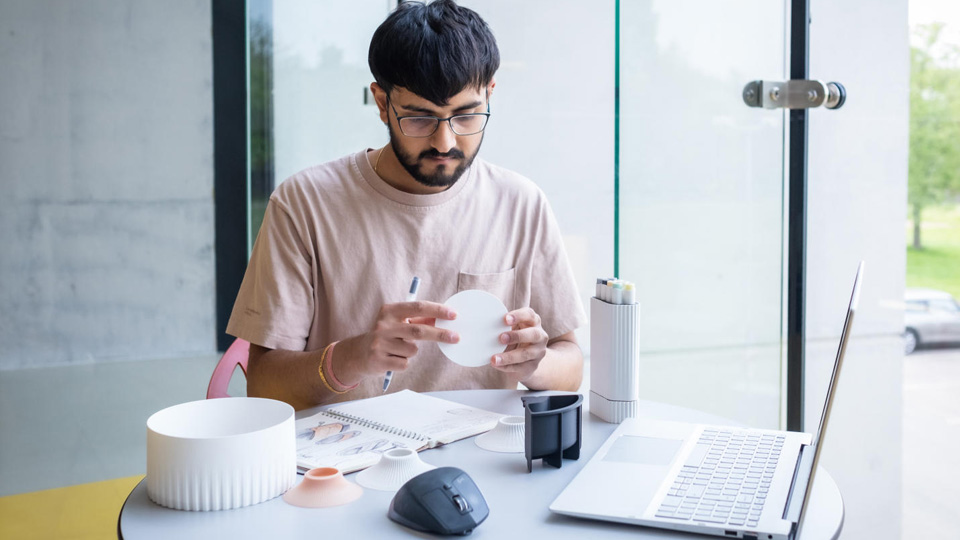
column 441, row 176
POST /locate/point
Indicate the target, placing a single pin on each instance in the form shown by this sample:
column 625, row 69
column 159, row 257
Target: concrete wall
column 106, row 167
column 856, row 209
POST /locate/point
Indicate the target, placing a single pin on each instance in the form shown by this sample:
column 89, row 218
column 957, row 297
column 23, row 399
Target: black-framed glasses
column 425, row 126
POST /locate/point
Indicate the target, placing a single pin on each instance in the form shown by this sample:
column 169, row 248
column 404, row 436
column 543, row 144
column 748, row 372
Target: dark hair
column 434, row 50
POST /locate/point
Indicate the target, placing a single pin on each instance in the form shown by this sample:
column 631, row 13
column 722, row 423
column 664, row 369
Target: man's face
column 441, row 158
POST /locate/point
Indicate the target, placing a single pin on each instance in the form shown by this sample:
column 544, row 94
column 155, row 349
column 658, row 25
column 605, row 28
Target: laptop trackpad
column 643, row 450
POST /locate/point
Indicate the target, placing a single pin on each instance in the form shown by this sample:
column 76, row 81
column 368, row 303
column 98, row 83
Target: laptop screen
column 832, row 388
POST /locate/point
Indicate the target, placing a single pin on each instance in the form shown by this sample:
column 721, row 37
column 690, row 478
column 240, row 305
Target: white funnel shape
column 395, row 467
column 507, row 437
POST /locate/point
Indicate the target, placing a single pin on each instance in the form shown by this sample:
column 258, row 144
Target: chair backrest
column 236, row 355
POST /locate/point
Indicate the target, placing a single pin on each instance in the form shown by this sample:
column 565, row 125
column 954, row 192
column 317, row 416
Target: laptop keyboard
column 725, row 479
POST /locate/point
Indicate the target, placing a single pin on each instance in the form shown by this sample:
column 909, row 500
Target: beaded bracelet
column 328, row 354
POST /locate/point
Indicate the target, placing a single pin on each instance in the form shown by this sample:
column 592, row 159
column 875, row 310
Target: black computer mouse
column 442, row 501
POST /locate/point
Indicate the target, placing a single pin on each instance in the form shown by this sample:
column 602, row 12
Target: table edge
column 312, row 410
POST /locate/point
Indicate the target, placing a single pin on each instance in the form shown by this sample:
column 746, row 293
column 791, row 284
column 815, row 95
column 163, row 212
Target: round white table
column 518, row 500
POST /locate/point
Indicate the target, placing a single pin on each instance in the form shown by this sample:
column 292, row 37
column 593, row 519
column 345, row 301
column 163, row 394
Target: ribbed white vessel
column 219, row 454
column 395, row 467
column 611, row 410
column 506, row 437
column 614, row 360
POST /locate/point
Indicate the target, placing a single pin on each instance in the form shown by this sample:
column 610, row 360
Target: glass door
column 629, row 116
column 552, row 109
column 701, row 201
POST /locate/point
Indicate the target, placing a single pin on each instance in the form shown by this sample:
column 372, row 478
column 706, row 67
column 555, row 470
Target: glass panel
column 701, row 201
column 701, row 175
column 552, row 119
column 320, row 76
column 260, row 181
column 308, row 75
column 312, row 70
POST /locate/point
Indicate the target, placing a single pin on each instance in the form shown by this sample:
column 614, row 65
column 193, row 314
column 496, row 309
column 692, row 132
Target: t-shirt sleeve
column 554, row 293
column 275, row 304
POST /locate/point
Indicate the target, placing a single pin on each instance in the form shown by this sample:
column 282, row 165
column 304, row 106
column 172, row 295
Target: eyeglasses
column 425, row 126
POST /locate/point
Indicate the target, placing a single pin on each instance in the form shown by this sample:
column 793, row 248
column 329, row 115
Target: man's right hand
column 392, row 342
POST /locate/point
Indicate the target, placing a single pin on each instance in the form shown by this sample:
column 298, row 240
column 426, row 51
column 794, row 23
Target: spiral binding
column 378, row 426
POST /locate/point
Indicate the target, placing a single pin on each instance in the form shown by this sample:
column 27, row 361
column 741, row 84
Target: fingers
column 393, row 363
column 419, row 308
column 392, row 354
column 423, row 332
column 518, row 356
column 393, row 339
column 394, row 343
column 524, row 335
column 523, row 369
column 394, row 346
column 387, row 347
column 520, row 363
column 527, row 343
column 523, row 317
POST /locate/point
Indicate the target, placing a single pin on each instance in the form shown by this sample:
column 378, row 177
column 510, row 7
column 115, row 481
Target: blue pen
column 411, row 296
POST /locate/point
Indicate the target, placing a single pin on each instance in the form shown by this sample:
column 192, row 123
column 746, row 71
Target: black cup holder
column 552, row 428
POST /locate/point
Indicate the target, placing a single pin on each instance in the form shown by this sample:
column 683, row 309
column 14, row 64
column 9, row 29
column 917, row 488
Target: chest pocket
column 500, row 284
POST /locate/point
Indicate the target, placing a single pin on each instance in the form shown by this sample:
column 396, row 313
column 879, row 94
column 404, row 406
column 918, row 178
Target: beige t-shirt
column 337, row 242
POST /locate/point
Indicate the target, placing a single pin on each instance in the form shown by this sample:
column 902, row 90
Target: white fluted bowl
column 395, row 467
column 506, row 436
column 218, row 454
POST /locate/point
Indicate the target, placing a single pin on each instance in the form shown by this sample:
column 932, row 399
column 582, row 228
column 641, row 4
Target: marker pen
column 610, row 286
column 617, row 293
column 629, row 293
column 608, row 289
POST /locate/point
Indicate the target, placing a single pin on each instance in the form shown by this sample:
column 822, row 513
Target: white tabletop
column 518, row 500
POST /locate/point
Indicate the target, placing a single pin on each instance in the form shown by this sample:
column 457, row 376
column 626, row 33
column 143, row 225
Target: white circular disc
column 479, row 322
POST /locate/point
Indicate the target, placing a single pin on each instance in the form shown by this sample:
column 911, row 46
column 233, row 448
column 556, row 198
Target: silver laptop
column 717, row 480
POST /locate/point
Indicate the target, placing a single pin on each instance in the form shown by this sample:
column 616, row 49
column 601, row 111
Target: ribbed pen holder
column 614, row 360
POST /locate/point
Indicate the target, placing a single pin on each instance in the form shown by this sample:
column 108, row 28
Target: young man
column 341, row 242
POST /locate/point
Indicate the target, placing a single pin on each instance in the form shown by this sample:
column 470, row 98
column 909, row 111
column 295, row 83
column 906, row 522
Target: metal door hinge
column 794, row 94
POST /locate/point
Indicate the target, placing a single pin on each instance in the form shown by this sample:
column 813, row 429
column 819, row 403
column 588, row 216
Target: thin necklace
column 377, row 164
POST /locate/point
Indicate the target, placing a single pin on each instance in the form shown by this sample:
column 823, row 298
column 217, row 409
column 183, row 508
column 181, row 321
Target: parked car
column 930, row 317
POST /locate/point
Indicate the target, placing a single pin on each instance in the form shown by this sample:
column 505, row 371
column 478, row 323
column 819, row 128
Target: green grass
column 937, row 265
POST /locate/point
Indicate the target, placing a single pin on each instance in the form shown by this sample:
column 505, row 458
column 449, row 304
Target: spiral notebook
column 351, row 436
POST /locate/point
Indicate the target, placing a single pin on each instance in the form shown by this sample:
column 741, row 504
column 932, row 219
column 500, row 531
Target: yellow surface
column 87, row 511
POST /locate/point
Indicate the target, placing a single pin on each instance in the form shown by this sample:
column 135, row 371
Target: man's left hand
column 527, row 344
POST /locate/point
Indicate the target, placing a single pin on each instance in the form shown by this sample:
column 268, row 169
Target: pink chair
column 236, row 355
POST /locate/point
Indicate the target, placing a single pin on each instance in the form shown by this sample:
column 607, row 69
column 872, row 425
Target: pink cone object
column 395, row 467
column 506, row 437
column 321, row 488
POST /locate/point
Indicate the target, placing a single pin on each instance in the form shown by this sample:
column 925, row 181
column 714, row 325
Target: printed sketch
column 328, row 433
column 324, row 443
column 377, row 446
